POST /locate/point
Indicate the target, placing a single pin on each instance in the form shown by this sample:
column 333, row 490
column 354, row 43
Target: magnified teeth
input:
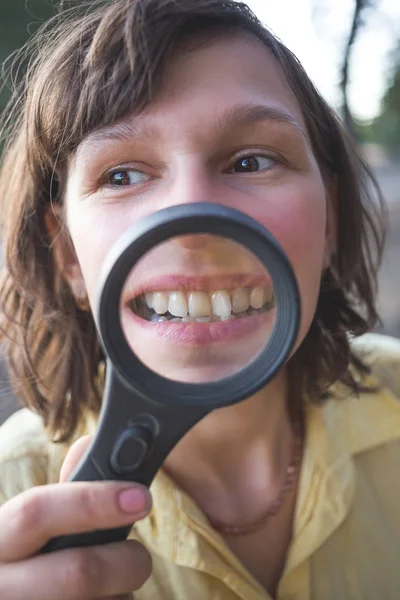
column 228, row 318
column 199, row 304
column 158, row 318
column 160, row 302
column 258, row 297
column 149, row 300
column 178, row 305
column 269, row 295
column 221, row 303
column 203, row 306
column 240, row 300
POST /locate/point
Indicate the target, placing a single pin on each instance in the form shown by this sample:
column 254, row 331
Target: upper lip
column 193, row 283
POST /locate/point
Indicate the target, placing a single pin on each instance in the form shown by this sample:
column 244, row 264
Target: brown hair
column 89, row 67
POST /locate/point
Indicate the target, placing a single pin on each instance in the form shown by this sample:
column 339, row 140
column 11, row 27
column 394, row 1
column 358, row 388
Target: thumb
column 73, row 457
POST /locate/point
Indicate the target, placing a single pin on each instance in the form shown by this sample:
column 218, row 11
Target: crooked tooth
column 221, row 303
column 160, row 303
column 177, row 305
column 240, row 300
column 258, row 297
column 203, row 319
column 269, row 294
column 149, row 299
column 199, row 304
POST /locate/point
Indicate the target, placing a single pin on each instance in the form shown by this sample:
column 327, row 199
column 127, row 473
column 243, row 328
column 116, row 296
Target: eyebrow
column 242, row 115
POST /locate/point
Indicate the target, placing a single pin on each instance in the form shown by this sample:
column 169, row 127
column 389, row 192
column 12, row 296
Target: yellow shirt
column 346, row 542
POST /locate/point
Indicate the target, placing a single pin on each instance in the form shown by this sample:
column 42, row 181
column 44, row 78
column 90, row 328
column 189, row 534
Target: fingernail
column 133, row 500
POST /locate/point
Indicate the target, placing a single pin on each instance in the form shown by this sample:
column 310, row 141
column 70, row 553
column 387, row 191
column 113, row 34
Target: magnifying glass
column 198, row 308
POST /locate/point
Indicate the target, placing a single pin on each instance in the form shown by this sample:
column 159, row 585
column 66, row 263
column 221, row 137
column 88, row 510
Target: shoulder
column 382, row 354
column 21, row 433
column 24, row 453
column 370, row 419
column 28, row 456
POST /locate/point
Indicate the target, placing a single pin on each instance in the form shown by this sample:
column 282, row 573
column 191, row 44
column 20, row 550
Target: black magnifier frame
column 144, row 414
column 196, row 219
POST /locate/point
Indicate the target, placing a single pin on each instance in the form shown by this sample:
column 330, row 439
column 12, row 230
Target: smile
column 201, row 306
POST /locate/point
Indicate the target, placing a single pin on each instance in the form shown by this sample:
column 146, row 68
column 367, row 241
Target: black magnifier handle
column 128, row 448
column 144, row 414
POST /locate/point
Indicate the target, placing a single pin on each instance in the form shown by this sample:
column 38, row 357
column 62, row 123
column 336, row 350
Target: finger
column 29, row 520
column 78, row 574
column 74, row 455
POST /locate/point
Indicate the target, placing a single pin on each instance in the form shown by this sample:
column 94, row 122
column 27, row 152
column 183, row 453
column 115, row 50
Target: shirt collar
column 336, row 431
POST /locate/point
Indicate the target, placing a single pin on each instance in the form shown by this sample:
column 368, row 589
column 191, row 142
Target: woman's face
column 226, row 128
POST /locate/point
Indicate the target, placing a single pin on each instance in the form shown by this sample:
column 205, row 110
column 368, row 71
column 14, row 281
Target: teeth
column 160, row 302
column 228, row 318
column 158, row 319
column 203, row 319
column 199, row 304
column 221, row 304
column 269, row 295
column 240, row 300
column 258, row 297
column 188, row 319
column 149, row 299
column 177, row 304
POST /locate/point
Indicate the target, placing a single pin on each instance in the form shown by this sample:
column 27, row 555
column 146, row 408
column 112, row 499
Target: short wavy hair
column 88, row 67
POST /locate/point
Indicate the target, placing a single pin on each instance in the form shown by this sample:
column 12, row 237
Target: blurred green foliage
column 18, row 19
column 385, row 129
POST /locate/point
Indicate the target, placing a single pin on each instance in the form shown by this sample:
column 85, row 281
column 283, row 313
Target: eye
column 252, row 164
column 125, row 177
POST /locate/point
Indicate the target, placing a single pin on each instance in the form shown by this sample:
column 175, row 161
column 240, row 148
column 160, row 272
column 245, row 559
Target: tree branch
column 359, row 9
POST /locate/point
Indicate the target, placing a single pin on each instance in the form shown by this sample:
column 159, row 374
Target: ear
column 330, row 247
column 64, row 252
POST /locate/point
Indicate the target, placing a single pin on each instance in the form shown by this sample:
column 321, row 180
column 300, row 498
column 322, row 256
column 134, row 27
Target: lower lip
column 201, row 334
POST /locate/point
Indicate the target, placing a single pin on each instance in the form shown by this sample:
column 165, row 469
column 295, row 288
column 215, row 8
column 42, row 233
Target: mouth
column 202, row 306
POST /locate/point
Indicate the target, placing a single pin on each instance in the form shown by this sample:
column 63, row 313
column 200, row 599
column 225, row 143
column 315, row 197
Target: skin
column 183, row 149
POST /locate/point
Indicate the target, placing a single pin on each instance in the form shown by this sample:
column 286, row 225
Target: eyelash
column 256, row 155
column 247, row 155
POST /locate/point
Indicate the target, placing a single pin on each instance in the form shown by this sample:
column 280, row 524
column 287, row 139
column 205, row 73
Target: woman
column 128, row 108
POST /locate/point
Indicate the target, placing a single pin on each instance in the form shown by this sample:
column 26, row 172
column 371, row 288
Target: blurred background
column 351, row 51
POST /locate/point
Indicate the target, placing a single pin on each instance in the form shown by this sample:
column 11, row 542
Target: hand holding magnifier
column 198, row 308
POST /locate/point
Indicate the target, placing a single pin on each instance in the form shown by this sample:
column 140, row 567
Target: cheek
column 298, row 222
column 93, row 233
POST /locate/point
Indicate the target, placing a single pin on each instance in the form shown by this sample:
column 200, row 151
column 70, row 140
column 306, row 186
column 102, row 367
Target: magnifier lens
column 198, row 308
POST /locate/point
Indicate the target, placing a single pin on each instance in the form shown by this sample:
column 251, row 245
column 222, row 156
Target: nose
column 195, row 241
column 191, row 183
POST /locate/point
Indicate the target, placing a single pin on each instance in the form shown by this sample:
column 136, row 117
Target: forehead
column 234, row 61
column 234, row 77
